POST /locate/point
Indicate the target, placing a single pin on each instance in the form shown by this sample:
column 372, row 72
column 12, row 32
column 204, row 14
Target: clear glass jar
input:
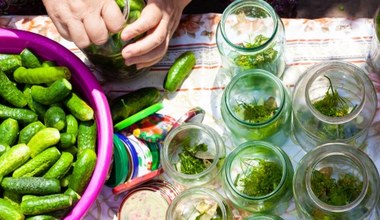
column 199, row 203
column 251, row 35
column 257, row 177
column 193, row 155
column 317, row 120
column 263, row 217
column 373, row 59
column 107, row 58
column 336, row 181
column 249, row 93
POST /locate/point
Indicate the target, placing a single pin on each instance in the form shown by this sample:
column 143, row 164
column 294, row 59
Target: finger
column 146, row 64
column 62, row 30
column 112, row 16
column 78, row 33
column 95, row 28
column 150, row 17
column 153, row 56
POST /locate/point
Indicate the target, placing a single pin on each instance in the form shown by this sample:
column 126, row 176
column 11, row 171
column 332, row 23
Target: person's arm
column 159, row 19
column 85, row 21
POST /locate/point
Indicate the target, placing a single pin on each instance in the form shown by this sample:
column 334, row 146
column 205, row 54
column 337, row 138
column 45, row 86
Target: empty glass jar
column 373, row 59
column 333, row 101
column 256, row 106
column 251, row 35
column 336, row 181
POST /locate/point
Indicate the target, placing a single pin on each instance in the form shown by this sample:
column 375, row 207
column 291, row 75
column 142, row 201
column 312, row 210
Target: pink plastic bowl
column 14, row 41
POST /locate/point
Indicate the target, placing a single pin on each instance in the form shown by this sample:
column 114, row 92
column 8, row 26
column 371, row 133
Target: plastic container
column 336, row 181
column 373, row 59
column 250, row 35
column 256, row 106
column 257, row 177
column 14, row 41
column 333, row 101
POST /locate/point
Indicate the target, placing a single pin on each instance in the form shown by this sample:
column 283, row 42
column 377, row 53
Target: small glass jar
column 250, row 35
column 333, row 101
column 373, row 59
column 336, row 181
column 193, row 154
column 256, row 106
column 199, row 203
column 257, row 177
column 107, row 58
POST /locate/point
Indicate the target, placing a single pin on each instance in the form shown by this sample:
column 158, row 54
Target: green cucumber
column 9, row 211
column 39, row 164
column 24, row 116
column 14, row 158
column 45, row 204
column 9, row 62
column 136, row 5
column 86, row 136
column 29, row 131
column 10, row 92
column 61, row 167
column 55, row 93
column 36, row 107
column 71, row 125
column 55, row 117
column 3, row 148
column 29, row 59
column 133, row 102
column 41, row 75
column 9, row 131
column 79, row 108
column 48, row 63
column 31, row 185
column 179, row 71
column 82, row 172
column 73, row 194
column 42, row 217
column 43, row 139
column 12, row 197
column 65, row 180
column 26, row 197
column 67, row 140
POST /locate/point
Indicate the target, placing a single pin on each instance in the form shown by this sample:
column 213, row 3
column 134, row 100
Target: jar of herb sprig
column 107, row 58
column 333, row 101
column 199, row 203
column 373, row 59
column 336, row 181
column 193, row 155
column 257, row 177
column 250, row 35
column 256, row 106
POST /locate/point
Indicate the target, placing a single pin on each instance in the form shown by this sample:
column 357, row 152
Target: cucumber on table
column 10, row 92
column 31, row 185
column 46, row 204
column 9, row 211
column 9, row 129
column 179, row 71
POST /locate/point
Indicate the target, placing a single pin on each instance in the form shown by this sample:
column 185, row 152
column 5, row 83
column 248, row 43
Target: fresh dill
column 189, row 163
column 258, row 113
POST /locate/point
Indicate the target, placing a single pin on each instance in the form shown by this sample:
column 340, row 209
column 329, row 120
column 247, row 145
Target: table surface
column 307, row 42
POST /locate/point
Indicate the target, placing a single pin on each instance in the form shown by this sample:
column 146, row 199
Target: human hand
column 85, row 21
column 159, row 19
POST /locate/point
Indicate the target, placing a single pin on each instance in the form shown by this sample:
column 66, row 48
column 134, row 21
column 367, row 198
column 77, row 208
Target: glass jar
column 199, row 203
column 263, row 217
column 373, row 59
column 336, row 181
column 257, row 177
column 107, row 58
column 193, row 154
column 251, row 35
column 256, row 106
column 333, row 101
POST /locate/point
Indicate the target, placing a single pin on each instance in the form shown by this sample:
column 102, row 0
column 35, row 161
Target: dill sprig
column 189, row 163
column 258, row 113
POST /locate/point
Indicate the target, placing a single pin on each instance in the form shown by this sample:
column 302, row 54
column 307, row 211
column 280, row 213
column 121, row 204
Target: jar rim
column 275, row 149
column 260, row 73
column 258, row 4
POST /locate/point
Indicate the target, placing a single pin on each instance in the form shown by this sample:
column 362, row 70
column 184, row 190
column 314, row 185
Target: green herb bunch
column 189, row 163
column 258, row 113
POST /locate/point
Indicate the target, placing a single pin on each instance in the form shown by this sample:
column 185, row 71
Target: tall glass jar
column 373, row 59
column 199, row 203
column 256, row 106
column 336, row 181
column 107, row 57
column 333, row 101
column 251, row 35
column 193, row 155
column 257, row 177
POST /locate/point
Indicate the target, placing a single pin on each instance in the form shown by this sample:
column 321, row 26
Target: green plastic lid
column 120, row 165
column 138, row 116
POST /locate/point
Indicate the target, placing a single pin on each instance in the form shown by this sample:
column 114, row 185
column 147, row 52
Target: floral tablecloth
column 307, row 42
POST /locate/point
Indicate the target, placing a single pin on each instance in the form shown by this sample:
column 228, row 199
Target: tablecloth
column 307, row 42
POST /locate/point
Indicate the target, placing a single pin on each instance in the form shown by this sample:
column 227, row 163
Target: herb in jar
column 203, row 210
column 336, row 192
column 259, row 178
column 259, row 59
column 257, row 112
column 191, row 161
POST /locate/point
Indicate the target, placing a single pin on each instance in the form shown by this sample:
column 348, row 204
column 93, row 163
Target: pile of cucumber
column 47, row 139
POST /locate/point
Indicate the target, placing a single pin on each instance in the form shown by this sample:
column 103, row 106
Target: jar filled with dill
column 336, row 181
column 250, row 35
column 257, row 177
column 333, row 101
column 256, row 106
column 193, row 155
